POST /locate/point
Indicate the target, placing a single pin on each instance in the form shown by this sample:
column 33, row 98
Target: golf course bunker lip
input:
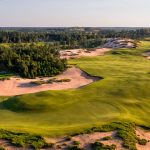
column 147, row 54
column 19, row 86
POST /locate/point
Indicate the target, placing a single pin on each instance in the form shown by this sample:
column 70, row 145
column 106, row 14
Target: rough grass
column 123, row 94
column 125, row 130
column 100, row 146
column 23, row 139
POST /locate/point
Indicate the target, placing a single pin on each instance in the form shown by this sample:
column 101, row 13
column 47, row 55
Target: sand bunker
column 77, row 53
column 143, row 135
column 18, row 86
column 119, row 43
column 86, row 140
column 99, row 51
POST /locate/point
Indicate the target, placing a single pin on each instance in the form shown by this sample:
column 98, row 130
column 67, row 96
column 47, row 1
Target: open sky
column 60, row 13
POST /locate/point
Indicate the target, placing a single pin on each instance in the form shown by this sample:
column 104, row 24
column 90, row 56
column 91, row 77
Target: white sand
column 143, row 135
column 119, row 43
column 18, row 86
column 87, row 139
column 99, row 51
column 77, row 53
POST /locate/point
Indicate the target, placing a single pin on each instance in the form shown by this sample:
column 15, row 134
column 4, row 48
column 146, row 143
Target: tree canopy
column 31, row 60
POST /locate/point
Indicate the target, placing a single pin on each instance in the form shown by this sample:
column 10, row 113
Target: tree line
column 71, row 38
column 65, row 40
column 31, row 60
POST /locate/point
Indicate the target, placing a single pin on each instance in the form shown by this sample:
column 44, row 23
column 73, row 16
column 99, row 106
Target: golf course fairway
column 122, row 94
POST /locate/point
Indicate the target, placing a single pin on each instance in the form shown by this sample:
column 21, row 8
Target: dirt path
column 18, row 86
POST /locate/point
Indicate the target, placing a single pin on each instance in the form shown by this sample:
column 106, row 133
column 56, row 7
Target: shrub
column 49, row 145
column 100, row 146
column 74, row 147
column 76, row 142
column 63, row 80
column 51, row 80
column 38, row 82
column 57, row 80
column 107, row 138
column 23, row 139
column 68, row 138
column 142, row 141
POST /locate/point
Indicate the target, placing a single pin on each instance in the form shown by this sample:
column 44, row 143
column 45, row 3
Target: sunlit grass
column 123, row 94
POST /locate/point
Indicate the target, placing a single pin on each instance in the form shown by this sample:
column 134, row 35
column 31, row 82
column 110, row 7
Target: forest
column 31, row 60
column 22, row 53
column 68, row 38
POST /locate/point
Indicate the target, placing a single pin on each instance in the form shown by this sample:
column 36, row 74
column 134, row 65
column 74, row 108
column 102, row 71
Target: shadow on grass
column 16, row 105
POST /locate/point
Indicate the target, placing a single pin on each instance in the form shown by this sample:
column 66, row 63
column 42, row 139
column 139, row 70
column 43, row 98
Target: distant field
column 123, row 94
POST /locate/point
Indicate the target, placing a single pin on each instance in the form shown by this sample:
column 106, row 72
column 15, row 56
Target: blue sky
column 74, row 13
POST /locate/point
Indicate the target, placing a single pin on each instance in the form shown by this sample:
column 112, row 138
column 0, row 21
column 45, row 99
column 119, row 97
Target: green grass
column 100, row 146
column 3, row 76
column 122, row 95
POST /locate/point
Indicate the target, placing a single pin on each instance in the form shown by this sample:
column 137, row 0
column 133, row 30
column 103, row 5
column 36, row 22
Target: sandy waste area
column 77, row 53
column 85, row 140
column 18, row 86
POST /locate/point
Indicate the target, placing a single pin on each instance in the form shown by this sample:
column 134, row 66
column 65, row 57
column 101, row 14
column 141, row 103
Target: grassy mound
column 16, row 105
column 123, row 94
